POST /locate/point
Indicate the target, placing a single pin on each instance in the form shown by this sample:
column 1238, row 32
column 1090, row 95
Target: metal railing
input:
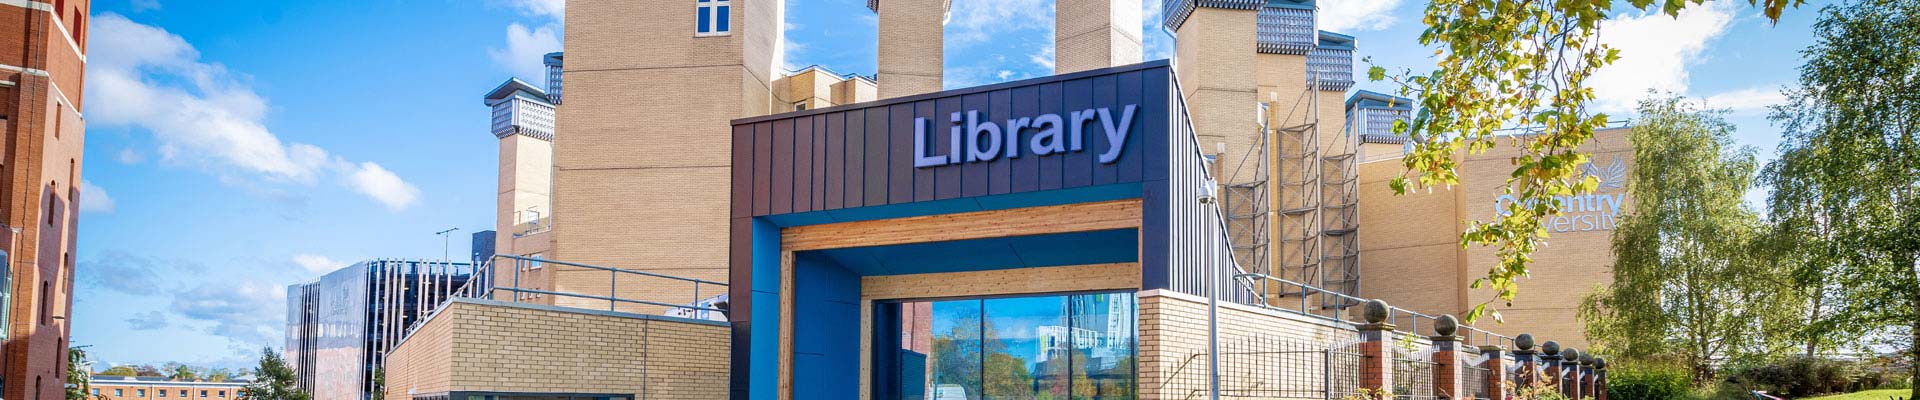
column 484, row 285
column 1273, row 292
column 1268, row 368
column 1412, row 374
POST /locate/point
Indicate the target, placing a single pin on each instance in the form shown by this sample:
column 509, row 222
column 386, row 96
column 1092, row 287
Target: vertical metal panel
column 973, row 175
column 1001, row 102
column 1128, row 87
column 782, row 190
column 945, row 179
column 1077, row 166
column 1025, row 168
column 1157, row 115
column 1104, row 92
column 742, row 166
column 855, row 154
column 876, row 156
column 927, row 180
column 803, row 163
column 819, row 191
column 762, row 167
column 1051, row 103
column 899, row 167
column 833, row 182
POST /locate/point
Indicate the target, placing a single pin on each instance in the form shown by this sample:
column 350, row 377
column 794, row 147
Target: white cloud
column 1349, row 16
column 147, row 321
column 143, row 76
column 94, row 199
column 525, row 49
column 1043, row 57
column 317, row 264
column 245, row 312
column 1655, row 50
column 124, row 272
column 1750, row 99
column 974, row 21
column 376, row 182
column 1003, row 74
column 556, row 9
column 129, row 156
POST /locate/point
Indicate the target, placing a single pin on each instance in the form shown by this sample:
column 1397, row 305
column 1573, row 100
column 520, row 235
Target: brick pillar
column 1376, row 357
column 1570, row 370
column 1586, row 376
column 1600, row 378
column 1550, row 359
column 1447, row 382
column 1529, row 364
column 912, row 52
column 1496, row 371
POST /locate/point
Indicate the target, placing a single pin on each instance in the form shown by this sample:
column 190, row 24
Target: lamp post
column 1213, row 298
column 444, row 255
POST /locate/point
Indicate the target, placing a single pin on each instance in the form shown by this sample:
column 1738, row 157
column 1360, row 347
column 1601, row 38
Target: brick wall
column 493, row 347
column 1173, row 328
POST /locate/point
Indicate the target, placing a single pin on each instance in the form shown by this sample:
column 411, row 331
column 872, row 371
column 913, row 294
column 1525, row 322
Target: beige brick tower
column 641, row 173
column 1214, row 58
column 1094, row 34
column 912, row 56
column 523, row 120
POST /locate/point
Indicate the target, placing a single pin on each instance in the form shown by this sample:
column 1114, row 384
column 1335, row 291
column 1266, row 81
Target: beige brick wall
column 1411, row 256
column 1173, row 328
column 911, row 52
column 1216, row 53
column 512, row 348
column 1094, row 34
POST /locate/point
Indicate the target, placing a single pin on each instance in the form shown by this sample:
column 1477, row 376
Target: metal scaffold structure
column 1293, row 212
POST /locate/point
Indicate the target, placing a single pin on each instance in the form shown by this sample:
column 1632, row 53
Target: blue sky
column 235, row 147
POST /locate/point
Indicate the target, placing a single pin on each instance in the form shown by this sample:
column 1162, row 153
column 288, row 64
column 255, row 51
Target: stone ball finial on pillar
column 1524, row 342
column 1586, row 359
column 1445, row 325
column 1552, row 348
column 1376, row 311
column 1570, row 354
column 1600, row 363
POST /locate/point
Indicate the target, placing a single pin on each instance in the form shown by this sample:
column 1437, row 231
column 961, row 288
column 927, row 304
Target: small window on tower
column 711, row 17
column 800, row 105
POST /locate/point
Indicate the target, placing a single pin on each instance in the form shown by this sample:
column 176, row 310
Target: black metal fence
column 1271, row 368
column 1412, row 374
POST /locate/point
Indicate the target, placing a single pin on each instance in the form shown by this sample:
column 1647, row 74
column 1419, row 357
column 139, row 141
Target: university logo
column 1612, row 176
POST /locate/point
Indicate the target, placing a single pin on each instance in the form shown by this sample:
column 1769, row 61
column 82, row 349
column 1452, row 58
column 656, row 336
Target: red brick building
column 42, row 67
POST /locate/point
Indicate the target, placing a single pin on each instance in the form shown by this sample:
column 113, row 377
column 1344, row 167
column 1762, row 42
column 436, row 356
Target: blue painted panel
column 1088, row 194
column 827, row 339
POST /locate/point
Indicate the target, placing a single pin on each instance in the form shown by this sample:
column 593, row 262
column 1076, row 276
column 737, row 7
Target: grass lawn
column 1880, row 394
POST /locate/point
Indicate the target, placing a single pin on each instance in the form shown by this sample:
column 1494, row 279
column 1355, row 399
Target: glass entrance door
column 1074, row 346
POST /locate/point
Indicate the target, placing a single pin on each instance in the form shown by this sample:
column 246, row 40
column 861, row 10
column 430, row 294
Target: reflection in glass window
column 1043, row 347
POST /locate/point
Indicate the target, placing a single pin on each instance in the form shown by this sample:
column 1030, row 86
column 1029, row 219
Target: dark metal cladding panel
column 1025, row 168
column 1052, row 103
column 1160, row 88
column 876, row 156
column 1077, row 166
column 899, row 167
column 1000, row 101
column 1097, row 142
column 973, row 175
column 742, row 170
column 833, row 184
column 803, row 163
column 856, row 159
column 945, row 181
column 740, row 267
column 762, row 167
column 1154, row 253
column 1128, row 89
column 782, row 167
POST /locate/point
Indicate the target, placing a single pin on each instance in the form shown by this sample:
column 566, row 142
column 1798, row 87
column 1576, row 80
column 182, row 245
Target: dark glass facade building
column 340, row 328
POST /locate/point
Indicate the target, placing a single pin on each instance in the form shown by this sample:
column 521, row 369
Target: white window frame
column 714, row 21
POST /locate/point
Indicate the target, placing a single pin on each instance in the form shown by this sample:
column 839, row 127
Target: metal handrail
column 1412, row 318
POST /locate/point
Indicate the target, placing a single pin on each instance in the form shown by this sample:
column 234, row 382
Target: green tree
column 79, row 375
column 120, row 370
column 219, row 375
column 1511, row 64
column 1685, row 281
column 274, row 380
column 181, row 372
column 1849, row 129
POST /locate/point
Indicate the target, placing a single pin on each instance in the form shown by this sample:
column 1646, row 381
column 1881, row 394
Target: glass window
column 96, row 392
column 1042, row 347
column 223, row 394
column 118, row 393
column 710, row 17
column 140, row 393
column 162, row 392
column 203, row 393
column 183, row 393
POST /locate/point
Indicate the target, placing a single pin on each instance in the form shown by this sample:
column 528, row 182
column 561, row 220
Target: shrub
column 1799, row 376
column 1647, row 383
